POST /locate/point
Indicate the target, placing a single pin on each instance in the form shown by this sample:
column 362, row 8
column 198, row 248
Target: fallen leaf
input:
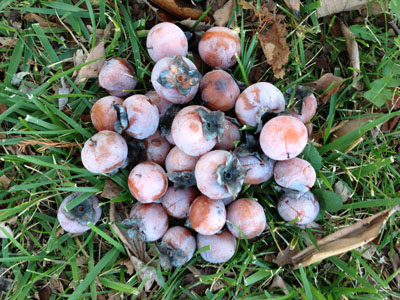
column 111, row 190
column 348, row 126
column 3, row 108
column 396, row 264
column 328, row 84
column 344, row 240
column 32, row 17
column 369, row 251
column 265, row 13
column 294, row 5
column 5, row 182
column 223, row 14
column 45, row 293
column 341, row 189
column 56, row 285
column 4, row 227
column 284, row 257
column 278, row 282
column 189, row 23
column 130, row 269
column 181, row 9
column 275, row 49
column 330, row 7
column 352, row 50
column 92, row 70
column 7, row 41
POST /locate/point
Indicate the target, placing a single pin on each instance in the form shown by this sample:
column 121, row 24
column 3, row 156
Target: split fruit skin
column 283, row 137
column 166, row 39
column 188, row 134
column 219, row 90
column 104, row 152
column 308, row 110
column 143, row 116
column 222, row 246
column 259, row 170
column 179, row 245
column 296, row 174
column 257, row 99
column 157, row 148
column 176, row 202
column 147, row 182
column 207, row 216
column 231, row 134
column 179, row 161
column 116, row 75
column 150, row 219
column 73, row 226
column 103, row 113
column 172, row 95
column 303, row 208
column 218, row 46
column 248, row 215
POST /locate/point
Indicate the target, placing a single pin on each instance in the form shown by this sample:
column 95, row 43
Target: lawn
column 352, row 61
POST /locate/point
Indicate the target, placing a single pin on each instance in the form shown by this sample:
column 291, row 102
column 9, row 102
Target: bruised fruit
column 76, row 220
column 103, row 113
column 176, row 202
column 218, row 47
column 222, row 246
column 178, row 245
column 297, row 207
column 246, row 215
column 147, row 221
column 296, row 174
column 283, row 137
column 207, row 216
column 147, row 182
column 105, row 152
column 166, row 39
column 117, row 77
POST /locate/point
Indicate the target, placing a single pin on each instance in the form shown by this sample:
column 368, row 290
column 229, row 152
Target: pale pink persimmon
column 296, row 174
column 103, row 113
column 157, row 148
column 303, row 208
column 222, row 246
column 176, row 202
column 179, row 161
column 259, row 170
column 231, row 134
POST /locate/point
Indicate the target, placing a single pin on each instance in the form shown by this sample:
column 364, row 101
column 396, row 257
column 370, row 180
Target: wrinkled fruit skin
column 222, row 246
column 218, row 46
column 116, row 75
column 259, row 170
column 179, row 161
column 166, row 39
column 179, row 244
column 308, row 111
column 151, row 221
column 103, row 114
column 296, row 174
column 283, row 137
column 257, row 97
column 73, row 226
column 147, row 182
column 248, row 215
column 303, row 207
column 171, row 94
column 143, row 116
column 219, row 90
column 176, row 202
column 207, row 216
column 157, row 148
column 231, row 134
column 187, row 132
column 104, row 152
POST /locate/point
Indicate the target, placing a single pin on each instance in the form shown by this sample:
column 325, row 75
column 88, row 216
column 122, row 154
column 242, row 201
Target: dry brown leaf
column 294, row 5
column 369, row 251
column 181, row 9
column 223, row 14
column 32, row 17
column 92, row 70
column 278, row 282
column 111, row 190
column 189, row 23
column 396, row 264
column 275, row 49
column 7, row 41
column 284, row 257
column 348, row 126
column 266, row 13
column 341, row 189
column 329, row 84
column 345, row 239
column 56, row 285
column 5, row 182
column 330, row 7
column 352, row 50
column 44, row 293
column 130, row 269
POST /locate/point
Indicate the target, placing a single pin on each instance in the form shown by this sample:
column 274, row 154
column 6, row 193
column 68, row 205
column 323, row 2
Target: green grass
column 91, row 265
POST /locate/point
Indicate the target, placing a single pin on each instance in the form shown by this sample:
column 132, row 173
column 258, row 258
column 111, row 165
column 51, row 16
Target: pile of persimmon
column 189, row 156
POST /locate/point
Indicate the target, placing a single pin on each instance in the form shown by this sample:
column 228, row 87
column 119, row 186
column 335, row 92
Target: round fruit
column 147, row 182
column 231, row 134
column 222, row 246
column 116, row 76
column 161, row 103
column 103, row 113
column 157, row 148
column 143, row 116
column 207, row 216
column 76, row 220
column 256, row 100
column 175, row 79
column 303, row 208
column 248, row 216
column 218, row 46
column 176, row 202
column 283, row 137
column 166, row 39
column 149, row 221
column 178, row 244
column 105, row 152
column 259, row 170
column 219, row 90
column 296, row 174
column 179, row 161
column 308, row 109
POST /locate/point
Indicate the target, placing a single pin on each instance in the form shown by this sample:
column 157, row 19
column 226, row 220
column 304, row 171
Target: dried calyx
column 182, row 180
column 136, row 152
column 298, row 93
column 84, row 212
column 179, row 76
column 212, row 122
column 122, row 118
column 166, row 121
column 171, row 256
column 250, row 147
column 135, row 228
column 231, row 175
column 263, row 115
